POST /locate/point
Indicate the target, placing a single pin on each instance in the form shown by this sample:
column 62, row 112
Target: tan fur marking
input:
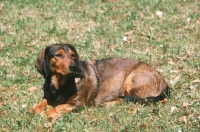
column 40, row 107
column 55, row 79
column 71, row 53
column 60, row 65
column 56, row 112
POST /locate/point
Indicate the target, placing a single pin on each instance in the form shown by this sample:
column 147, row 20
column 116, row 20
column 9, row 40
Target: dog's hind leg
column 144, row 85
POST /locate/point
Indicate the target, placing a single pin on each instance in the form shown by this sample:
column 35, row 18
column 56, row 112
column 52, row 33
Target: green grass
column 170, row 43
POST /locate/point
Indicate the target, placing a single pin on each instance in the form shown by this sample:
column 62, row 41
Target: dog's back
column 118, row 77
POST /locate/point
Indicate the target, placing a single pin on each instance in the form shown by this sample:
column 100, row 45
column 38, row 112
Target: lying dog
column 71, row 82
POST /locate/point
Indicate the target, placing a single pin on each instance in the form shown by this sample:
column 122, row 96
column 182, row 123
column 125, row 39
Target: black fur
column 54, row 96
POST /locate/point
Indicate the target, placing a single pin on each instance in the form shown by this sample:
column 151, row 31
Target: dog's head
column 59, row 59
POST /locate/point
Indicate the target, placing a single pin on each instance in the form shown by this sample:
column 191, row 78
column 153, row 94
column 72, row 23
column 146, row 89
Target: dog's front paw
column 36, row 110
column 51, row 114
column 40, row 107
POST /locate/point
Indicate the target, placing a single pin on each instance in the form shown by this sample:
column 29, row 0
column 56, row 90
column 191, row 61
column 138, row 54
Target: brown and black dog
column 71, row 82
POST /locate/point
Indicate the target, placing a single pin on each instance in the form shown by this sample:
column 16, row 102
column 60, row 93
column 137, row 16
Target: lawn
column 163, row 33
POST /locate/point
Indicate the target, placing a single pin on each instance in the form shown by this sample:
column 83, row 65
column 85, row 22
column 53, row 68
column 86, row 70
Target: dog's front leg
column 40, row 107
column 56, row 112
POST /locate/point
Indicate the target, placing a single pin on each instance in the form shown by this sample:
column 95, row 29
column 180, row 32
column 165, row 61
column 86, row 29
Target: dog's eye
column 58, row 55
column 73, row 55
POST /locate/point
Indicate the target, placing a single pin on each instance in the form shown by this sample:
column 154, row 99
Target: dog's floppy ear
column 78, row 71
column 42, row 64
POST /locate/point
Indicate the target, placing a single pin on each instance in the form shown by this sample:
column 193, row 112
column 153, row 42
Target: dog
column 71, row 82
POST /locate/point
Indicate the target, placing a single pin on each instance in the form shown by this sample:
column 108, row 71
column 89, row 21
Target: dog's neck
column 60, row 82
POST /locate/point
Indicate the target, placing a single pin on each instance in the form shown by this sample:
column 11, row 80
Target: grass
column 169, row 41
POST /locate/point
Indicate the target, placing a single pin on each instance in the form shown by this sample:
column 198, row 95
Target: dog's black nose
column 72, row 67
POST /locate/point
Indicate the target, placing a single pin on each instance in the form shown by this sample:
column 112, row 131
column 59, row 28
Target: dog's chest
column 62, row 94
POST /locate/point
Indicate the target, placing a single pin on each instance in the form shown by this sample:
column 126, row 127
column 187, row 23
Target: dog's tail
column 163, row 95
